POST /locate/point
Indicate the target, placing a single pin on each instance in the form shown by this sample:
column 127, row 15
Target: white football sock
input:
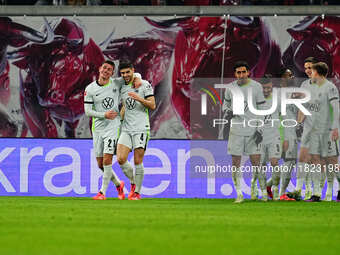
column 128, row 171
column 285, row 176
column 301, row 172
column 236, row 176
column 107, row 176
column 330, row 179
column 139, row 177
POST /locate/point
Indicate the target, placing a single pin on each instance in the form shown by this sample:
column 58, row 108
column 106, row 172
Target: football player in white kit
column 271, row 144
column 101, row 101
column 302, row 131
column 289, row 145
column 324, row 106
column 135, row 126
column 243, row 138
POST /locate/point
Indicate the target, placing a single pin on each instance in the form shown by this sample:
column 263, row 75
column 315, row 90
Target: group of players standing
column 119, row 130
column 318, row 134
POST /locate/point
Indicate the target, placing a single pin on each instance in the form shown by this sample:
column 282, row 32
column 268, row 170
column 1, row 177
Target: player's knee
column 121, row 160
column 138, row 161
column 274, row 162
column 107, row 162
column 236, row 161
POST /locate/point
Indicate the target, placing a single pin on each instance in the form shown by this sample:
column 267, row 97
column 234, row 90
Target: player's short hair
column 321, row 68
column 266, row 79
column 109, row 62
column 125, row 64
column 282, row 71
column 310, row 60
column 241, row 64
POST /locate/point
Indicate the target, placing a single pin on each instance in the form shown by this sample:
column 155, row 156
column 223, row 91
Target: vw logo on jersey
column 130, row 103
column 108, row 103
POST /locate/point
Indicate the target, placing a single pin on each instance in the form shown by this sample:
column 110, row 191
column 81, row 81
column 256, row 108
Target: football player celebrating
column 135, row 127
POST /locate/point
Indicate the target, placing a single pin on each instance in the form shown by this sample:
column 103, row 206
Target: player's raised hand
column 135, row 96
column 335, row 134
column 137, row 82
column 110, row 115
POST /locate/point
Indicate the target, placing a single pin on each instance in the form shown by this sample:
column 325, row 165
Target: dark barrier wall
column 46, row 63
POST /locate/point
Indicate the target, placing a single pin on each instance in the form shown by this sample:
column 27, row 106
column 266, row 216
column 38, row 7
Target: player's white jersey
column 271, row 122
column 307, row 84
column 102, row 98
column 257, row 98
column 320, row 108
column 291, row 114
column 136, row 117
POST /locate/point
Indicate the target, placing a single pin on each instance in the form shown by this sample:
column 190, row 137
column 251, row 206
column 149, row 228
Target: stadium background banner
column 46, row 64
column 173, row 169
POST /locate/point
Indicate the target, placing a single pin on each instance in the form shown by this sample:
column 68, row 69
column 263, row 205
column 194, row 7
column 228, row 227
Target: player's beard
column 128, row 79
column 242, row 81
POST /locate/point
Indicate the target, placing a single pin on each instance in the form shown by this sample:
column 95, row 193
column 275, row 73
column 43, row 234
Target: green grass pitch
column 47, row 226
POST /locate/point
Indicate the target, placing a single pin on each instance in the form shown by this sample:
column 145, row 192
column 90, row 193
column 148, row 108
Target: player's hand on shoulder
column 137, row 82
column 110, row 115
column 134, row 96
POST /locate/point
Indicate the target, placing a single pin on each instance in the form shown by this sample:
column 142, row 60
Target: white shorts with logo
column 134, row 140
column 322, row 144
column 271, row 150
column 242, row 145
column 105, row 143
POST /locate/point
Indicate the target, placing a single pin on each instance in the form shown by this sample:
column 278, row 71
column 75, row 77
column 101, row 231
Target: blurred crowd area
column 170, row 2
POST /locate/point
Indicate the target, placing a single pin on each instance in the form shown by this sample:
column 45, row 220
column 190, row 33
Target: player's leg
column 98, row 146
column 287, row 167
column 275, row 177
column 124, row 147
column 274, row 153
column 257, row 174
column 323, row 173
column 255, row 160
column 139, row 169
column 236, row 146
column 269, row 182
column 303, row 174
column 139, row 143
column 316, row 148
column 261, row 172
column 101, row 167
column 109, row 175
column 253, row 185
column 255, row 153
column 316, row 175
column 286, row 171
column 332, row 165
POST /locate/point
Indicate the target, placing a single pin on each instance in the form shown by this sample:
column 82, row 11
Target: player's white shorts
column 322, row 144
column 135, row 140
column 292, row 151
column 242, row 145
column 271, row 150
column 105, row 143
